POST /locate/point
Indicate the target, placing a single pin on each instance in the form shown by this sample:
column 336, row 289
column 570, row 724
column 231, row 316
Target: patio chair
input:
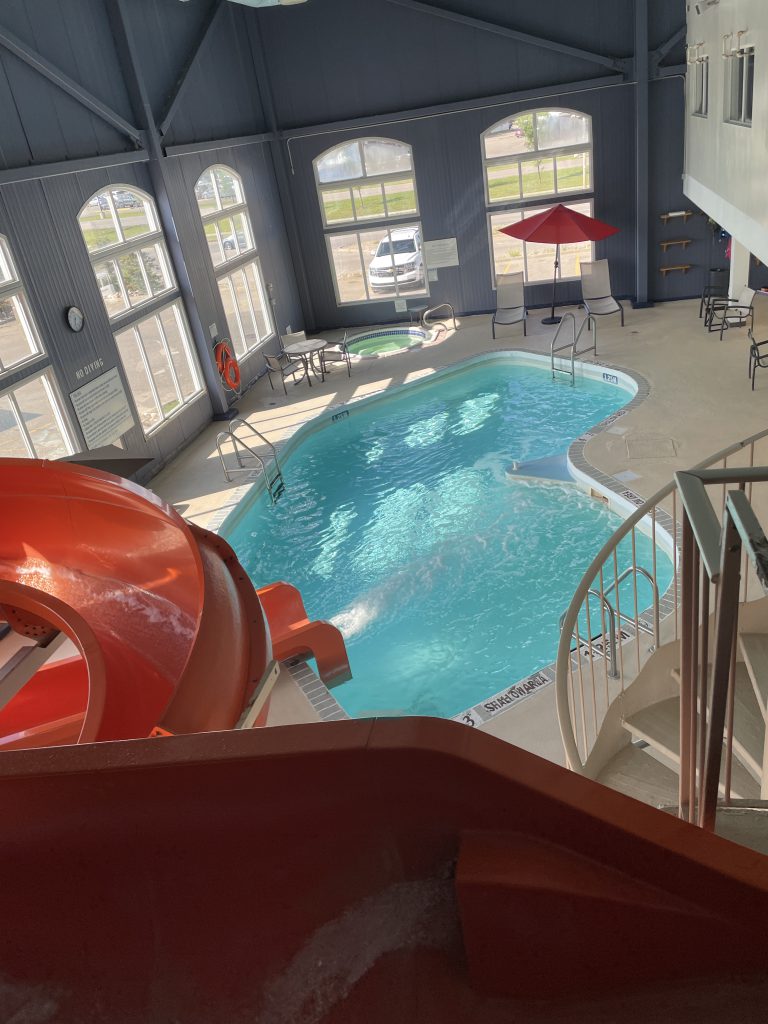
column 285, row 367
column 336, row 352
column 758, row 356
column 510, row 302
column 596, row 290
column 715, row 288
column 726, row 313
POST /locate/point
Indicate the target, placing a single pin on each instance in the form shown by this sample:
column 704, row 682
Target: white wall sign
column 431, row 275
column 442, row 252
column 102, row 409
column 400, row 305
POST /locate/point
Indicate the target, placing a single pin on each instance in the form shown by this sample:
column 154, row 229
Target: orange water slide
column 168, row 627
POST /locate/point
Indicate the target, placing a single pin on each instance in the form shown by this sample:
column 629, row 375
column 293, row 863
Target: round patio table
column 305, row 351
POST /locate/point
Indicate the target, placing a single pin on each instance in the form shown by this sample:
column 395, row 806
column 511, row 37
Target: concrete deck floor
column 700, row 401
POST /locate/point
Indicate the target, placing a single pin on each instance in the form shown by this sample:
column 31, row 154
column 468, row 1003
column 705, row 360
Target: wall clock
column 75, row 318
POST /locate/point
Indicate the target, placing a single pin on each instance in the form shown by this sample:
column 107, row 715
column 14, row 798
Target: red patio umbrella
column 560, row 224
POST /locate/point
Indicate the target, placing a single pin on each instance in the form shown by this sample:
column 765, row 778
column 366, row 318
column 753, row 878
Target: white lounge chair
column 510, row 302
column 725, row 313
column 596, row 290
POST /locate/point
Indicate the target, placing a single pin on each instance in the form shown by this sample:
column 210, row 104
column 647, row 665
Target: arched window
column 228, row 232
column 125, row 241
column 371, row 181
column 32, row 420
column 543, row 155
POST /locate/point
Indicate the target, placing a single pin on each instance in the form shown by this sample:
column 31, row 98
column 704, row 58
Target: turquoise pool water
column 400, row 525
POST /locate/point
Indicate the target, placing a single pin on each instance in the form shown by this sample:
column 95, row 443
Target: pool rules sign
column 102, row 409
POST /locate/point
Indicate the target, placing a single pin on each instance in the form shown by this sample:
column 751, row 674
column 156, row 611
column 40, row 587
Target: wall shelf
column 684, row 242
column 676, row 215
column 684, row 267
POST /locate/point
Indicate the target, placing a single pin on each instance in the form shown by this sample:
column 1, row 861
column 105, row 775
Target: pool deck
column 699, row 402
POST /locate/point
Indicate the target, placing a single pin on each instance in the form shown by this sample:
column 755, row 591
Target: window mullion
column 148, row 371
column 167, row 348
column 57, row 413
column 251, row 310
column 236, row 309
column 113, row 212
column 21, row 425
column 362, row 267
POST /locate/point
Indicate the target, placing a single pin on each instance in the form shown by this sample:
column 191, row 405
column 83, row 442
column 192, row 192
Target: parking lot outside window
column 538, row 156
column 369, row 207
column 122, row 233
column 232, row 247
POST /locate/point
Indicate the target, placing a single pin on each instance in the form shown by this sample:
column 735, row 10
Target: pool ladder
column 273, row 474
column 591, row 325
column 615, row 616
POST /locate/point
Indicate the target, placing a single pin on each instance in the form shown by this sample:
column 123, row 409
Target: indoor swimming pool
column 400, row 525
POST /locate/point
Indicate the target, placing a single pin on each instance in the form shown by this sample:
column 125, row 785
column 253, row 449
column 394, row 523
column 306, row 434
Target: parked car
column 398, row 260
column 122, row 198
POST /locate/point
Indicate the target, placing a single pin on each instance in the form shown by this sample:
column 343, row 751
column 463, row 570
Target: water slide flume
column 169, row 630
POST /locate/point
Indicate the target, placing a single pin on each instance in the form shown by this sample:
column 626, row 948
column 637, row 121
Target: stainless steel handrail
column 572, row 346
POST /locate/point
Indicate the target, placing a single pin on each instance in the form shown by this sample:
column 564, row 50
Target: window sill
column 738, row 124
column 153, row 431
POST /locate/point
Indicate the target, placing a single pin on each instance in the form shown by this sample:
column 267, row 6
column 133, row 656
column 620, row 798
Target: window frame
column 386, row 228
column 385, row 224
column 13, row 289
column 528, row 211
column 133, row 316
column 243, row 259
column 53, row 392
column 185, row 334
column 744, row 59
column 125, row 246
column 241, row 269
column 366, row 180
column 550, row 152
column 700, row 91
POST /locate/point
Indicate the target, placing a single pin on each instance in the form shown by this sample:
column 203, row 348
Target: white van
column 405, row 252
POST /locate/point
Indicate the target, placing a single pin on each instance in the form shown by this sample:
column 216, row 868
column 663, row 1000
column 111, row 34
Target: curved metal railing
column 585, row 684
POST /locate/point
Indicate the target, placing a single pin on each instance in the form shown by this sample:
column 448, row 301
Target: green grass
column 568, row 178
column 370, row 206
column 97, row 238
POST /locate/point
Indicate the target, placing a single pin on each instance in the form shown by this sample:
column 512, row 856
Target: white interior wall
column 726, row 164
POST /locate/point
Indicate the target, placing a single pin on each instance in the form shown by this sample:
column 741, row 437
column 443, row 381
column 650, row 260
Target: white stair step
column 748, row 721
column 635, row 774
column 659, row 726
column 754, row 649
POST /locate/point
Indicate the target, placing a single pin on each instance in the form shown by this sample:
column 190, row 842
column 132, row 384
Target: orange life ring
column 232, row 374
column 223, row 353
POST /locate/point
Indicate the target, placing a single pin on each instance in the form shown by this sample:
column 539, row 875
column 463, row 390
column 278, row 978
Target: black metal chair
column 726, row 313
column 284, row 366
column 757, row 358
column 336, row 352
column 715, row 288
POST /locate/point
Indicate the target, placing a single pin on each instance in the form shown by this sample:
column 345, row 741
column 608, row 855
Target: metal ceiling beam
column 661, row 52
column 672, row 71
column 614, row 63
column 205, row 147
column 172, row 105
column 48, row 70
column 33, row 172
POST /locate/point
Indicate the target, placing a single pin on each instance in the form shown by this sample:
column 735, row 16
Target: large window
column 19, row 340
column 740, row 84
column 371, row 182
column 32, row 420
column 32, row 423
column 539, row 155
column 228, row 232
column 130, row 261
column 535, row 259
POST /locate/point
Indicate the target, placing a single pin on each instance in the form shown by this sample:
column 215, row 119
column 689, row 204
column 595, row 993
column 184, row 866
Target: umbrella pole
column 554, row 319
